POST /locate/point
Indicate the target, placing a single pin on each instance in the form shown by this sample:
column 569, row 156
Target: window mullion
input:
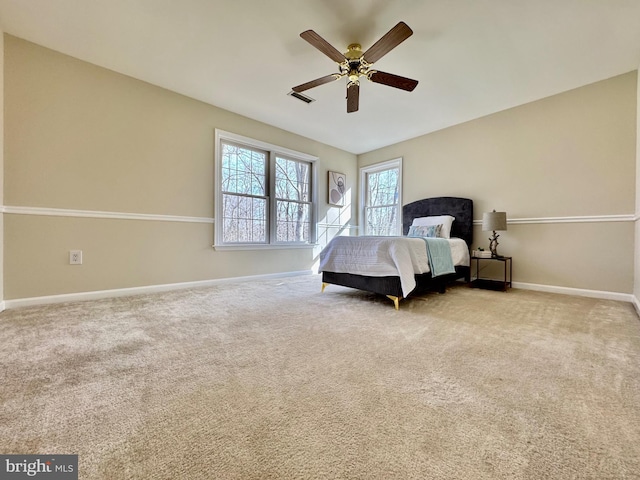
column 273, row 214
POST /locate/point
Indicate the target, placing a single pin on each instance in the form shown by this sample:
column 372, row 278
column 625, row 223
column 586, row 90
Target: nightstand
column 489, row 284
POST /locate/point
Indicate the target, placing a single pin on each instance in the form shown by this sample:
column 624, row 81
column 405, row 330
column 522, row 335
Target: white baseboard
column 636, row 304
column 123, row 292
column 580, row 292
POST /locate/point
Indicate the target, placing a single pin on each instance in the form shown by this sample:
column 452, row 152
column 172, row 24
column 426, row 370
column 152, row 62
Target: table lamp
column 492, row 221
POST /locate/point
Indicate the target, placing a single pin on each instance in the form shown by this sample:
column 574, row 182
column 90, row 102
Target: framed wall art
column 337, row 188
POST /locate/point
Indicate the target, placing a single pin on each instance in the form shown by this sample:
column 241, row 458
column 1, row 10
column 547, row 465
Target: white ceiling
column 472, row 57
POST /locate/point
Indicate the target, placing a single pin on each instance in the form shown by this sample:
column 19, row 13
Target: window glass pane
column 292, row 221
column 293, row 180
column 381, row 211
column 382, row 220
column 244, row 219
column 243, row 170
column 383, row 187
column 293, row 193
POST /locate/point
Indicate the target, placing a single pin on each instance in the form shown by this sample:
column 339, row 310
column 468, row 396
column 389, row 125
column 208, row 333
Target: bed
column 392, row 285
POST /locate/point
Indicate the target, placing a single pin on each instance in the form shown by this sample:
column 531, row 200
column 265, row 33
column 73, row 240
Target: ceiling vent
column 301, row 97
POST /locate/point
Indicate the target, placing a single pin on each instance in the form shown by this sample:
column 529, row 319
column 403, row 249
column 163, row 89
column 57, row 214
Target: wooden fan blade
column 315, row 83
column 321, row 44
column 395, row 81
column 353, row 97
column 388, row 42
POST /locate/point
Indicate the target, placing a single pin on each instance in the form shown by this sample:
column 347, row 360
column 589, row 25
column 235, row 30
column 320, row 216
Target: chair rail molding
column 65, row 212
column 573, row 219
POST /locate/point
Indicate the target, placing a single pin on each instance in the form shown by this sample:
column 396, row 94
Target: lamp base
column 493, row 245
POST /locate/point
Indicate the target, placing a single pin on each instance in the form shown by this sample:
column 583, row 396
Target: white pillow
column 445, row 220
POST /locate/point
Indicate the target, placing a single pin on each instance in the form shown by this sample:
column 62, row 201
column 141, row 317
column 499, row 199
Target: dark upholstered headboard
column 460, row 208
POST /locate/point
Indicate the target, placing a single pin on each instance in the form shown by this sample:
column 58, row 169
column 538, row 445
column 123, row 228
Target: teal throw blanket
column 439, row 254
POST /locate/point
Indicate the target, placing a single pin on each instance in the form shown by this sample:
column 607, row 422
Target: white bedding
column 385, row 256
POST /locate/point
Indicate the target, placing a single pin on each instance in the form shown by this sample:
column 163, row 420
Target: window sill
column 265, row 247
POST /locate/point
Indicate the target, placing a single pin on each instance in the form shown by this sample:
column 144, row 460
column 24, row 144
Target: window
column 244, row 194
column 381, row 198
column 293, row 201
column 265, row 195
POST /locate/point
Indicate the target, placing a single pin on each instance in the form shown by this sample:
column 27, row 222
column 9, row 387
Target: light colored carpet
column 275, row 380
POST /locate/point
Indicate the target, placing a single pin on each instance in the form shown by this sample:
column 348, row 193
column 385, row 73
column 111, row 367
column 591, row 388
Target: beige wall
column 570, row 155
column 81, row 137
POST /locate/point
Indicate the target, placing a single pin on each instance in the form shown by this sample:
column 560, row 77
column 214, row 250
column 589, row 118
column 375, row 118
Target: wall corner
column 636, row 273
column 1, row 170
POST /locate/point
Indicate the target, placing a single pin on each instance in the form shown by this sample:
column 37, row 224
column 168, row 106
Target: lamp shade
column 494, row 221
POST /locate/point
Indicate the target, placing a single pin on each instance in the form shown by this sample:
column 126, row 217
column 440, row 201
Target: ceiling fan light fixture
column 354, row 64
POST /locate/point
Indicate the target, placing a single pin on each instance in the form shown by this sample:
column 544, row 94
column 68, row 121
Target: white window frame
column 273, row 151
column 364, row 194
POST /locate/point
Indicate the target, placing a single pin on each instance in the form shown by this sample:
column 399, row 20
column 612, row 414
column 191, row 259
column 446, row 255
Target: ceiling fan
column 354, row 64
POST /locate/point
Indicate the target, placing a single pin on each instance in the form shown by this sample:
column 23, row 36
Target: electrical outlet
column 75, row 257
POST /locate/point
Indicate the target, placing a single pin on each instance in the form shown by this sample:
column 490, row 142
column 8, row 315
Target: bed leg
column 323, row 287
column 396, row 301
